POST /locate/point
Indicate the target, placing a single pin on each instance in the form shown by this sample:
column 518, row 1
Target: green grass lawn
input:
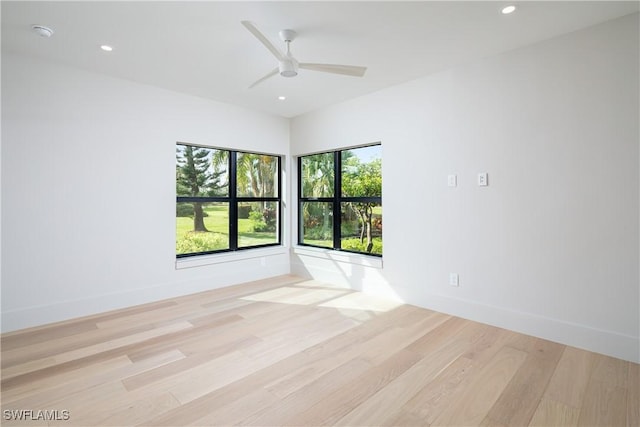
column 217, row 222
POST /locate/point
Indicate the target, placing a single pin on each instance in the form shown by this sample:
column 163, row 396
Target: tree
column 318, row 176
column 362, row 180
column 318, row 181
column 256, row 175
column 194, row 178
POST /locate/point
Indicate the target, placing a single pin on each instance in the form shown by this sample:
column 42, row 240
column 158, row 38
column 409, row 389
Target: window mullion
column 337, row 193
column 300, row 203
column 233, row 203
column 279, row 208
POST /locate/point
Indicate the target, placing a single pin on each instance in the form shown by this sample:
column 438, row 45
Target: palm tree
column 318, row 180
column 220, row 163
column 257, row 175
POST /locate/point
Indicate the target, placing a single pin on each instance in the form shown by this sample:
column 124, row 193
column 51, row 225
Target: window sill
column 348, row 257
column 198, row 261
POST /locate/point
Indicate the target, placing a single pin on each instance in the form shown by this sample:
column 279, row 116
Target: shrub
column 318, row 234
column 350, row 228
column 194, row 241
column 244, row 211
column 355, row 245
column 257, row 221
column 263, row 221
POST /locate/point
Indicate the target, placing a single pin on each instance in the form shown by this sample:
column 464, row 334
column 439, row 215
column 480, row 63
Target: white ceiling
column 200, row 48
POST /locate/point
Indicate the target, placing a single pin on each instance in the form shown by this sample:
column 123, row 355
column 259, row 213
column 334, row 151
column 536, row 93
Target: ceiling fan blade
column 263, row 39
column 347, row 70
column 270, row 74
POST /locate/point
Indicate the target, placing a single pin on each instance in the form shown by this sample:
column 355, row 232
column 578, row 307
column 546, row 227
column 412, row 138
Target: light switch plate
column 454, row 279
column 452, row 180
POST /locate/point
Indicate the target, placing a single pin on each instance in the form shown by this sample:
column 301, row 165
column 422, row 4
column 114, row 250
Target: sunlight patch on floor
column 298, row 296
column 362, row 302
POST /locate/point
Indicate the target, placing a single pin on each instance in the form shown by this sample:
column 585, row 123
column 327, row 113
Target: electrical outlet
column 454, row 279
column 483, row 179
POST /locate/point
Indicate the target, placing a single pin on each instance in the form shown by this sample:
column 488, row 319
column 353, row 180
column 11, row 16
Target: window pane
column 201, row 171
column 318, row 175
column 201, row 227
column 257, row 175
column 258, row 223
column 361, row 227
column 362, row 172
column 317, row 225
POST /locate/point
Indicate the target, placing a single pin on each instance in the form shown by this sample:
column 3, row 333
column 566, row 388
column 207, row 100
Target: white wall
column 550, row 247
column 88, row 196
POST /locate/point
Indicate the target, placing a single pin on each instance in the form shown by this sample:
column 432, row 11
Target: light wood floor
column 289, row 352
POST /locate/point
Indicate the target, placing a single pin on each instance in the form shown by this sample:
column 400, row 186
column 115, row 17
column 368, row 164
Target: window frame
column 336, row 200
column 234, row 200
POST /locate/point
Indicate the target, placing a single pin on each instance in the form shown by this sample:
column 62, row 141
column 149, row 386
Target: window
column 226, row 200
column 340, row 200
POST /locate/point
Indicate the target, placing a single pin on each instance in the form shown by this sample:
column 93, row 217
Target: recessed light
column 282, row 98
column 508, row 9
column 42, row 31
column 106, row 48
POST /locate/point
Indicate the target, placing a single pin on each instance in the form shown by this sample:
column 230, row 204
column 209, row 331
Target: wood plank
column 571, row 377
column 138, row 411
column 47, row 348
column 16, row 381
column 219, row 331
column 37, row 336
column 340, row 403
column 50, row 391
column 550, row 413
column 611, row 371
column 434, row 397
column 159, row 373
column 27, row 394
column 407, row 419
column 383, row 405
column 308, row 395
column 92, row 350
column 198, row 381
column 344, row 347
column 519, row 400
column 234, row 411
column 604, row 405
column 432, row 332
column 484, row 391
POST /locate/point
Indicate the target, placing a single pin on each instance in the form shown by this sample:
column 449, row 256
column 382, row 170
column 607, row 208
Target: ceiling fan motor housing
column 288, row 67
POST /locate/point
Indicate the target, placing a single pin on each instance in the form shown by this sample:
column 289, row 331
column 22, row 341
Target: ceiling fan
column 288, row 66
